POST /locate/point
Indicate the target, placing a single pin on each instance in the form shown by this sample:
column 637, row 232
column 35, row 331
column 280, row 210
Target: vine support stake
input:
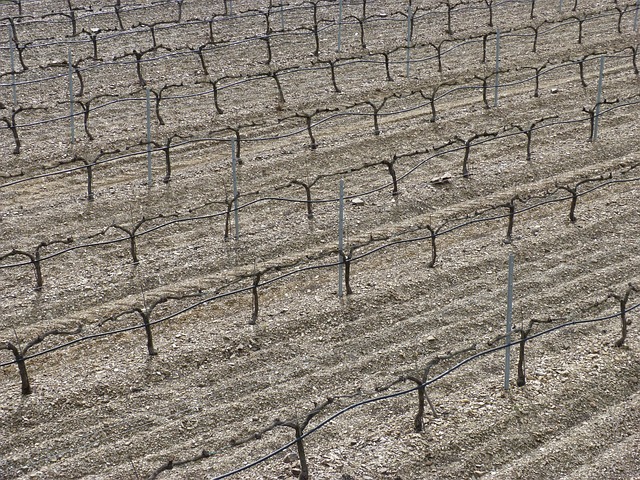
column 598, row 101
column 71, row 99
column 282, row 14
column 254, row 296
column 507, row 352
column 149, row 176
column 340, row 238
column 90, row 195
column 13, row 68
column 635, row 17
column 339, row 27
column 495, row 93
column 408, row 39
column 234, row 174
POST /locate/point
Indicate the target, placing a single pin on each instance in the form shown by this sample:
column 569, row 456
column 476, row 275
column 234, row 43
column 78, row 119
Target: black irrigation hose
column 128, row 329
column 286, row 135
column 490, row 219
column 252, row 12
column 401, row 393
column 166, row 318
column 303, row 201
column 280, row 277
column 301, row 130
column 159, row 25
column 320, row 201
column 282, row 199
column 297, row 70
column 258, row 38
column 352, row 406
column 126, row 9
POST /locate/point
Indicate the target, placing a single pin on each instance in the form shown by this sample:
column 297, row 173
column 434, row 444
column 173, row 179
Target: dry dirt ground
column 104, row 408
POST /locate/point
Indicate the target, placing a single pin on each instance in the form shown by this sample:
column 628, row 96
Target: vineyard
column 266, row 240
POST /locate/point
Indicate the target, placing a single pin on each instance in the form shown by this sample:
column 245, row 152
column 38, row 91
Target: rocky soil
column 104, row 408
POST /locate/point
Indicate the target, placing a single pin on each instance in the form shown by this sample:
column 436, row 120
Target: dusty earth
column 104, row 408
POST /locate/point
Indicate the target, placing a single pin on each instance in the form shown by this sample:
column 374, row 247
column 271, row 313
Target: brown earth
column 104, row 408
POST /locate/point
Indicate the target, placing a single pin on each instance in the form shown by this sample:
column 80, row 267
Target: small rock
column 554, row 90
column 442, row 179
column 290, row 458
column 357, row 202
column 431, row 338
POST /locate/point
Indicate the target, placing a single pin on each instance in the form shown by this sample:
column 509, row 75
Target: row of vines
column 320, row 66
column 212, row 51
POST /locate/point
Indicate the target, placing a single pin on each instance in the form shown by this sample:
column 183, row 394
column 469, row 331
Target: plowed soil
column 104, row 408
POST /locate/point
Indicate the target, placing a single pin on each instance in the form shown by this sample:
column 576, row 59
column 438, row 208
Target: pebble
column 444, row 178
column 290, row 458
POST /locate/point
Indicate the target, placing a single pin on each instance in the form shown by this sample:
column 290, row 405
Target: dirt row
column 105, row 409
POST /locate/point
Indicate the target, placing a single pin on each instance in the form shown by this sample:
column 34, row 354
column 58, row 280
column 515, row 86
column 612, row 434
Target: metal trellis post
column 339, row 27
column 71, row 99
column 340, row 238
column 495, row 93
column 594, row 137
column 13, row 68
column 282, row 15
column 149, row 175
column 235, row 189
column 408, row 39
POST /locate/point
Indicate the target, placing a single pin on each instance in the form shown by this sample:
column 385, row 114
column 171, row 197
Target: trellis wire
column 81, row 167
column 318, row 201
column 407, row 75
column 412, row 169
column 355, row 258
column 168, row 97
column 278, row 278
column 547, row 71
column 134, row 154
column 431, row 381
column 363, row 402
column 248, row 13
column 238, row 83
